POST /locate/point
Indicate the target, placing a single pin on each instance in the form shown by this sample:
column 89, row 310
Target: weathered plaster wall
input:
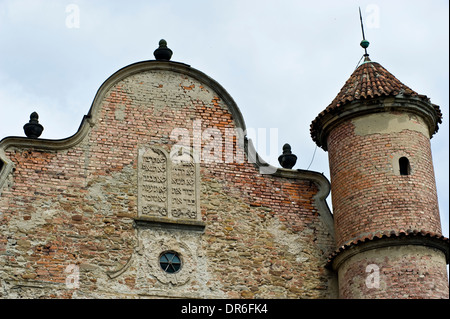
column 396, row 272
column 256, row 235
column 386, row 123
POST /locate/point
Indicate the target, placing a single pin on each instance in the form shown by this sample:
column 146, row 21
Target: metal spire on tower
column 364, row 43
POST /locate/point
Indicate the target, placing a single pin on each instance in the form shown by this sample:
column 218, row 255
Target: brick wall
column 397, row 272
column 369, row 194
column 264, row 236
column 370, row 197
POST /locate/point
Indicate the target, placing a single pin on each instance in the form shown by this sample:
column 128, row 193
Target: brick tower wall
column 396, row 272
column 369, row 194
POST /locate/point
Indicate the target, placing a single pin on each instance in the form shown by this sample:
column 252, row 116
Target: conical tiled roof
column 369, row 80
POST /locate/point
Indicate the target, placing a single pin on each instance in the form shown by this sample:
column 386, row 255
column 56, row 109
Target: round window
column 170, row 262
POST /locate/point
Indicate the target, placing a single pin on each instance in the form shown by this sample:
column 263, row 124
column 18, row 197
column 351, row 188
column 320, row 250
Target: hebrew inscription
column 183, row 190
column 167, row 187
column 153, row 182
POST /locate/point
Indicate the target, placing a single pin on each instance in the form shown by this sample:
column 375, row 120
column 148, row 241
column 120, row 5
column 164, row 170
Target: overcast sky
column 282, row 61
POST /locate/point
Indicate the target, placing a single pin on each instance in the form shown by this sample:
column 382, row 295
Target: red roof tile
column 369, row 80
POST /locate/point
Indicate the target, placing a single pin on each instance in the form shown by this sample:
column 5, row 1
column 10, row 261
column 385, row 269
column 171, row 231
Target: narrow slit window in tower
column 405, row 168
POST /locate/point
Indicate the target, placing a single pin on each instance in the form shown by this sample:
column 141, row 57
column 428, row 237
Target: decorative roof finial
column 364, row 43
column 33, row 129
column 287, row 159
column 163, row 52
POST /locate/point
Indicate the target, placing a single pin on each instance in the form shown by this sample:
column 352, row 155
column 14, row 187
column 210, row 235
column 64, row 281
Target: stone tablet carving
column 183, row 187
column 152, row 182
column 167, row 186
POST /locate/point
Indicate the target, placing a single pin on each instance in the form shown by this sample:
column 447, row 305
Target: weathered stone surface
column 153, row 181
column 90, row 219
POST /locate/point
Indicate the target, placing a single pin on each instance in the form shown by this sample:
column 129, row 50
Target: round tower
column 388, row 234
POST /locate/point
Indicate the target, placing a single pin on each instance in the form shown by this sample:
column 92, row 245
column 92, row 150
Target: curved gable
column 158, row 73
column 152, row 84
column 124, row 190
